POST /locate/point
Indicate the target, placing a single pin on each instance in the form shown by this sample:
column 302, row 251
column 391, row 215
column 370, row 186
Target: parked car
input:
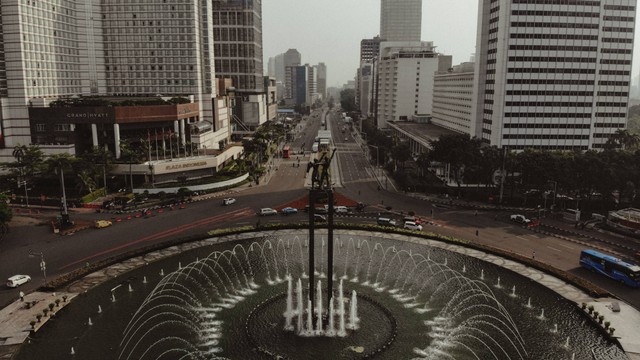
column 412, row 219
column 521, row 219
column 386, row 222
column 319, row 218
column 228, row 201
column 289, row 211
column 17, row 280
column 411, row 225
column 99, row 224
column 267, row 211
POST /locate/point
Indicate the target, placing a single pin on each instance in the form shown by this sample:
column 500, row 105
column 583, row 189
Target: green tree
column 5, row 215
column 401, row 153
column 348, row 100
column 455, row 150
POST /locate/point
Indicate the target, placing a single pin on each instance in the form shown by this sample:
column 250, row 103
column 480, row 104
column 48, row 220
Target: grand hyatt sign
column 97, row 114
column 87, row 115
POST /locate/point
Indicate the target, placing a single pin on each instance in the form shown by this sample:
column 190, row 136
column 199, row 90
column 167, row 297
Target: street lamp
column 26, row 195
column 43, row 265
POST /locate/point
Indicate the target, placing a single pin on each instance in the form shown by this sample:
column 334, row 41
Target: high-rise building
column 552, row 74
column 321, row 80
column 237, row 30
column 400, row 20
column 405, row 80
column 54, row 50
column 291, row 58
column 369, row 49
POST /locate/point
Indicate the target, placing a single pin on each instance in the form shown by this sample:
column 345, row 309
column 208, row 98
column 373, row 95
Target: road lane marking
column 567, row 246
column 520, row 237
column 552, row 248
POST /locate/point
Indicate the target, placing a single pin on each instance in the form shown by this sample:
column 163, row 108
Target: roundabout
column 225, row 296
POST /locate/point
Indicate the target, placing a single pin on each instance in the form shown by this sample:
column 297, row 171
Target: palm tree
column 624, row 139
column 58, row 163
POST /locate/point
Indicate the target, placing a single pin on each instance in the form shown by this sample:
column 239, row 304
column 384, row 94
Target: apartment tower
column 552, row 74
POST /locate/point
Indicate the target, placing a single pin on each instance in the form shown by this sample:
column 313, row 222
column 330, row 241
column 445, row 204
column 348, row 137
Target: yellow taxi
column 99, row 224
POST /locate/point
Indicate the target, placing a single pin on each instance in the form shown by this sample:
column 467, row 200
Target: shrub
column 33, row 324
column 39, row 316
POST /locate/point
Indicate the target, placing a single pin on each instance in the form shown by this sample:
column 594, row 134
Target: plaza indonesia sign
column 185, row 165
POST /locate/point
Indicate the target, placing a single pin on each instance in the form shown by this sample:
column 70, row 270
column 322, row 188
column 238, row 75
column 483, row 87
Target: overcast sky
column 330, row 31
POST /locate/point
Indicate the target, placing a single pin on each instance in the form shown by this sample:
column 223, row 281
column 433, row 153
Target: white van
column 17, row 280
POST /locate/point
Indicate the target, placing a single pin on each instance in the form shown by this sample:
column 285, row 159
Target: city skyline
column 333, row 35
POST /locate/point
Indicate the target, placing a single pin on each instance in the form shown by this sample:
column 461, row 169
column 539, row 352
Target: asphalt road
column 65, row 253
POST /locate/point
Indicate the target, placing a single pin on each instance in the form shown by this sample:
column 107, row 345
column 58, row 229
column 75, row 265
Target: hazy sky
column 330, row 31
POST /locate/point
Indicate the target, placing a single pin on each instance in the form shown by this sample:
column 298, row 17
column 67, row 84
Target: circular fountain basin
column 415, row 300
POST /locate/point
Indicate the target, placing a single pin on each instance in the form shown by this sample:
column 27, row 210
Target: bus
column 611, row 267
column 286, row 152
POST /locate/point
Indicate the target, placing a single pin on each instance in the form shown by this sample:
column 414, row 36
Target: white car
column 520, row 219
column 341, row 210
column 17, row 280
column 228, row 201
column 411, row 225
column 267, row 211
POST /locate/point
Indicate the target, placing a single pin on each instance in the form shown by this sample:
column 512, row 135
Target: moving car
column 228, row 201
column 521, row 219
column 341, row 210
column 411, row 225
column 289, row 211
column 319, row 218
column 386, row 222
column 99, row 224
column 267, row 211
column 17, row 280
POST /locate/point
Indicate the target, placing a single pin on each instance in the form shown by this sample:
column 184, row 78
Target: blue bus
column 611, row 267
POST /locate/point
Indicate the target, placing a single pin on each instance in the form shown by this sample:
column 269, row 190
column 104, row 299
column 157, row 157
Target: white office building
column 405, row 80
column 400, row 20
column 453, row 98
column 552, row 74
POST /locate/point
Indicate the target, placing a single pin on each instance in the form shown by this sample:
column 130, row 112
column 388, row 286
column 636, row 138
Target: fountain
column 250, row 299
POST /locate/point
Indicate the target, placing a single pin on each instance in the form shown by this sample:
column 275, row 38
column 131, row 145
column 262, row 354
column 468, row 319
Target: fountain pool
column 234, row 301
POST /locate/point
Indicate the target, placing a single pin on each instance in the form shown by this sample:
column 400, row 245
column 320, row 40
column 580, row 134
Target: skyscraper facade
column 237, row 30
column 291, row 59
column 552, row 74
column 321, row 80
column 400, row 20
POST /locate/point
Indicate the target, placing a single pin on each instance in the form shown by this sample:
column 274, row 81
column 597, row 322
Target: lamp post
column 26, row 195
column 43, row 265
